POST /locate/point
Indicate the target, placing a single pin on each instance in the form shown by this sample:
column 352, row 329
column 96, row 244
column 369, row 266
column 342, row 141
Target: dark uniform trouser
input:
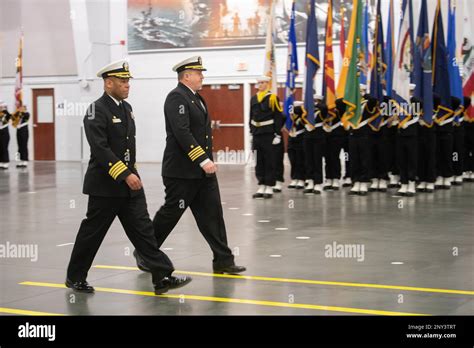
column 392, row 163
column 203, row 197
column 427, row 154
column 133, row 214
column 378, row 155
column 265, row 168
column 314, row 149
column 458, row 150
column 469, row 147
column 333, row 161
column 4, row 140
column 359, row 154
column 407, row 157
column 347, row 159
column 444, row 154
column 279, row 155
column 22, row 138
column 297, row 159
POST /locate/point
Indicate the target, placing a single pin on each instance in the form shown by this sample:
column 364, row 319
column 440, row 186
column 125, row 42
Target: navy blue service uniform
column 266, row 121
column 189, row 143
column 110, row 132
column 5, row 117
column 295, row 145
column 22, row 134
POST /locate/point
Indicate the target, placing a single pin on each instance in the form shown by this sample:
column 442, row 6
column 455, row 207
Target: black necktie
column 124, row 112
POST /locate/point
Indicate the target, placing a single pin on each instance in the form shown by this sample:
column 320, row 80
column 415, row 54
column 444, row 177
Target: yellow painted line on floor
column 307, row 281
column 237, row 300
column 25, row 312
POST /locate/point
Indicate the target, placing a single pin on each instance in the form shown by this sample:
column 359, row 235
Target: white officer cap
column 412, row 86
column 118, row 69
column 318, row 97
column 298, row 103
column 264, row 78
column 193, row 63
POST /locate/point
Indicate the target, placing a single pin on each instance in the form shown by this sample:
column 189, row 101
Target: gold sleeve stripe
column 197, row 155
column 117, row 169
column 115, row 166
column 118, row 172
column 120, row 169
column 193, row 151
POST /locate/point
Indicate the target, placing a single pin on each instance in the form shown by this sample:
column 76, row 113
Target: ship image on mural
column 167, row 24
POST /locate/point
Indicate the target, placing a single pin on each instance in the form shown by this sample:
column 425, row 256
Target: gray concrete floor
column 431, row 234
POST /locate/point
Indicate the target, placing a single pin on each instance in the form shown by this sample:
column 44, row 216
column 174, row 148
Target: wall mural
column 165, row 24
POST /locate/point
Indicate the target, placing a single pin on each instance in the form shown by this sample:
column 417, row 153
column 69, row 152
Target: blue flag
column 377, row 76
column 365, row 45
column 389, row 51
column 455, row 81
column 292, row 69
column 440, row 67
column 423, row 65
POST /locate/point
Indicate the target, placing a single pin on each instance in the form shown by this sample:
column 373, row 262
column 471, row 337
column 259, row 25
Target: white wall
column 99, row 25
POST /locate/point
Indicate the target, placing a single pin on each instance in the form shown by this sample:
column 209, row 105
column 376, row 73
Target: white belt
column 22, row 125
column 412, row 121
column 448, row 120
column 261, row 124
column 363, row 123
column 333, row 127
column 295, row 134
column 4, row 126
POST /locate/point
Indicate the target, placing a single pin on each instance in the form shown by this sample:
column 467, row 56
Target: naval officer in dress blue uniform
column 114, row 187
column 189, row 171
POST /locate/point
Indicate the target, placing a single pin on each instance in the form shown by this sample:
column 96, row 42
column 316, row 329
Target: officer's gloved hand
column 309, row 127
column 276, row 140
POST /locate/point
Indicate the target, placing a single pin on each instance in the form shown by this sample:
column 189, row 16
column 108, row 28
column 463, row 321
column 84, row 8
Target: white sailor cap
column 193, row 63
column 118, row 69
column 412, row 86
column 318, row 97
column 298, row 103
column 363, row 86
column 264, row 78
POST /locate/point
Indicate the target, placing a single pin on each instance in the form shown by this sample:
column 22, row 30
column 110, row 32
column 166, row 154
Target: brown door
column 225, row 104
column 43, row 124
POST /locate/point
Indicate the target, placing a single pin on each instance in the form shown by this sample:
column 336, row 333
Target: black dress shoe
column 140, row 263
column 171, row 282
column 230, row 269
column 79, row 286
column 257, row 195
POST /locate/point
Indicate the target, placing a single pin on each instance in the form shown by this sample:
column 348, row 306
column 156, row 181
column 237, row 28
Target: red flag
column 342, row 34
column 19, row 76
column 329, row 90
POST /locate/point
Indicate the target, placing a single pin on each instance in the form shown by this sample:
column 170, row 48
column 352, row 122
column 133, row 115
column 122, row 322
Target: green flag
column 352, row 95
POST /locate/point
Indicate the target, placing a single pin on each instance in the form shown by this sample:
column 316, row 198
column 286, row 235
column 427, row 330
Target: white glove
column 276, row 140
column 309, row 127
